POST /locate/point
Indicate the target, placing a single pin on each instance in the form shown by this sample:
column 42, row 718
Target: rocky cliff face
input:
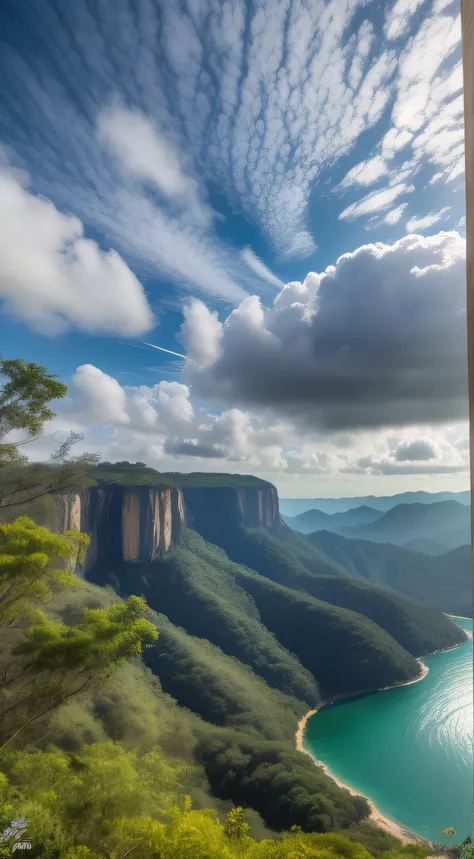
column 136, row 524
column 126, row 523
column 215, row 508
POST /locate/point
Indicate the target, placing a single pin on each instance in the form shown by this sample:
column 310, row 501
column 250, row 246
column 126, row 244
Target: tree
column 25, row 393
column 32, row 561
column 235, row 827
column 44, row 663
column 24, row 398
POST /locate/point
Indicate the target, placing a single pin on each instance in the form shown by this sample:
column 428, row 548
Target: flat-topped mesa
column 126, row 523
column 211, row 507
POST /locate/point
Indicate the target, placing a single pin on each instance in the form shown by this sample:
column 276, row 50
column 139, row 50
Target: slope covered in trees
column 442, row 582
column 288, row 558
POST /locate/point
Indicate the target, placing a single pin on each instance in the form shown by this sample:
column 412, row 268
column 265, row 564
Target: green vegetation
column 139, row 474
column 25, row 391
column 195, row 586
column 202, row 479
column 218, row 687
column 409, row 572
column 129, row 474
column 289, row 559
column 24, row 396
column 282, row 784
column 44, row 663
column 344, row 651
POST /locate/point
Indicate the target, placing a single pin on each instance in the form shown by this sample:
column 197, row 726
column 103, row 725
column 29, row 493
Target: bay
column 409, row 748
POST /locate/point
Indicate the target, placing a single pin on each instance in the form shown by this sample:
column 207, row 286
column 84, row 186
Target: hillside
column 445, row 522
column 442, row 582
column 294, row 506
column 315, row 520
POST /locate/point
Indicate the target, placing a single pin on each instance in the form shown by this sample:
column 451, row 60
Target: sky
column 235, row 230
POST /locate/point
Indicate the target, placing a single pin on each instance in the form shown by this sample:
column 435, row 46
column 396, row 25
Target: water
column 410, row 748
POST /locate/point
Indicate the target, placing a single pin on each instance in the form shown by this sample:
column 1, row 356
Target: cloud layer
column 160, row 425
column 376, row 340
column 135, row 126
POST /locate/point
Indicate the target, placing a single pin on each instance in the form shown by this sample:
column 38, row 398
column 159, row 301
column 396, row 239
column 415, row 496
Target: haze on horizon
column 236, row 231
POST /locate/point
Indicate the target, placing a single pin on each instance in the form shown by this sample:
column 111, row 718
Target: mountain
column 442, row 582
column 294, row 506
column 445, row 522
column 427, row 547
column 256, row 627
column 312, row 520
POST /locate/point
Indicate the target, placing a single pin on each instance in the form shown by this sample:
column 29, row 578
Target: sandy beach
column 400, row 831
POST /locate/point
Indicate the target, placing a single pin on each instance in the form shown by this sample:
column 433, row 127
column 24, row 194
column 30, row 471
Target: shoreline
column 383, row 821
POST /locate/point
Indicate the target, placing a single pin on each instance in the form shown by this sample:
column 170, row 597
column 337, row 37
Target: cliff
column 211, row 509
column 126, row 523
column 139, row 523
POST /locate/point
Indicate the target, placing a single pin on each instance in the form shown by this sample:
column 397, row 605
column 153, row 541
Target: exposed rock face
column 126, row 523
column 216, row 508
column 136, row 524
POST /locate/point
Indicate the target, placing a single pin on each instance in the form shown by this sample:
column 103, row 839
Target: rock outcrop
column 137, row 524
column 126, row 523
column 228, row 507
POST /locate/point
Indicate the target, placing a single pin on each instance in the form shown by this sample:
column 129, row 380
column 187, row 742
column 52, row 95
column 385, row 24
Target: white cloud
column 255, row 263
column 358, row 345
column 416, row 455
column 201, row 333
column 376, row 201
column 147, row 155
column 365, row 173
column 394, row 215
column 160, row 426
column 231, row 94
column 54, row 278
column 418, row 225
column 399, row 18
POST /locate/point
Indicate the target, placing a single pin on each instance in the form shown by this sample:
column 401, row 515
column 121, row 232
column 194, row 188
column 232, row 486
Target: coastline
column 403, row 833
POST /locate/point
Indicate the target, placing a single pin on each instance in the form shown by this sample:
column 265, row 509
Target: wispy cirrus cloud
column 419, row 225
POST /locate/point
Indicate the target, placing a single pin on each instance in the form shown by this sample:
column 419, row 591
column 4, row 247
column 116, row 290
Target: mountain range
column 441, row 526
column 294, row 506
column 443, row 582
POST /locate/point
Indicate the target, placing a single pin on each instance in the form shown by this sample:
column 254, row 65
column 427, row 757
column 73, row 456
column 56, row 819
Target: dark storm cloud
column 178, row 447
column 416, row 451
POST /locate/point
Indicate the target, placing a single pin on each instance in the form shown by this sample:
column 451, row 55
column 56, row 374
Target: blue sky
column 275, row 191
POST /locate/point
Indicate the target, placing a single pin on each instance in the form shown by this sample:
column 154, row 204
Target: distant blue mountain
column 295, row 506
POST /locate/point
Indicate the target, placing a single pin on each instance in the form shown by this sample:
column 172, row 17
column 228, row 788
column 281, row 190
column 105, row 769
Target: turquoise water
column 410, row 748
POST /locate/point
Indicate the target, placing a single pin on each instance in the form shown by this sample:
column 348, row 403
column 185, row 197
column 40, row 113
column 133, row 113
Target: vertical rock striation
column 126, row 523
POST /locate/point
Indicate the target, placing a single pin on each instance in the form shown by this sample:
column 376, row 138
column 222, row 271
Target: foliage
column 200, row 479
column 283, row 785
column 32, row 568
column 25, row 392
column 44, row 663
column 422, row 577
column 288, row 559
column 344, row 651
column 218, row 687
column 24, row 396
column 108, row 803
column 195, row 586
